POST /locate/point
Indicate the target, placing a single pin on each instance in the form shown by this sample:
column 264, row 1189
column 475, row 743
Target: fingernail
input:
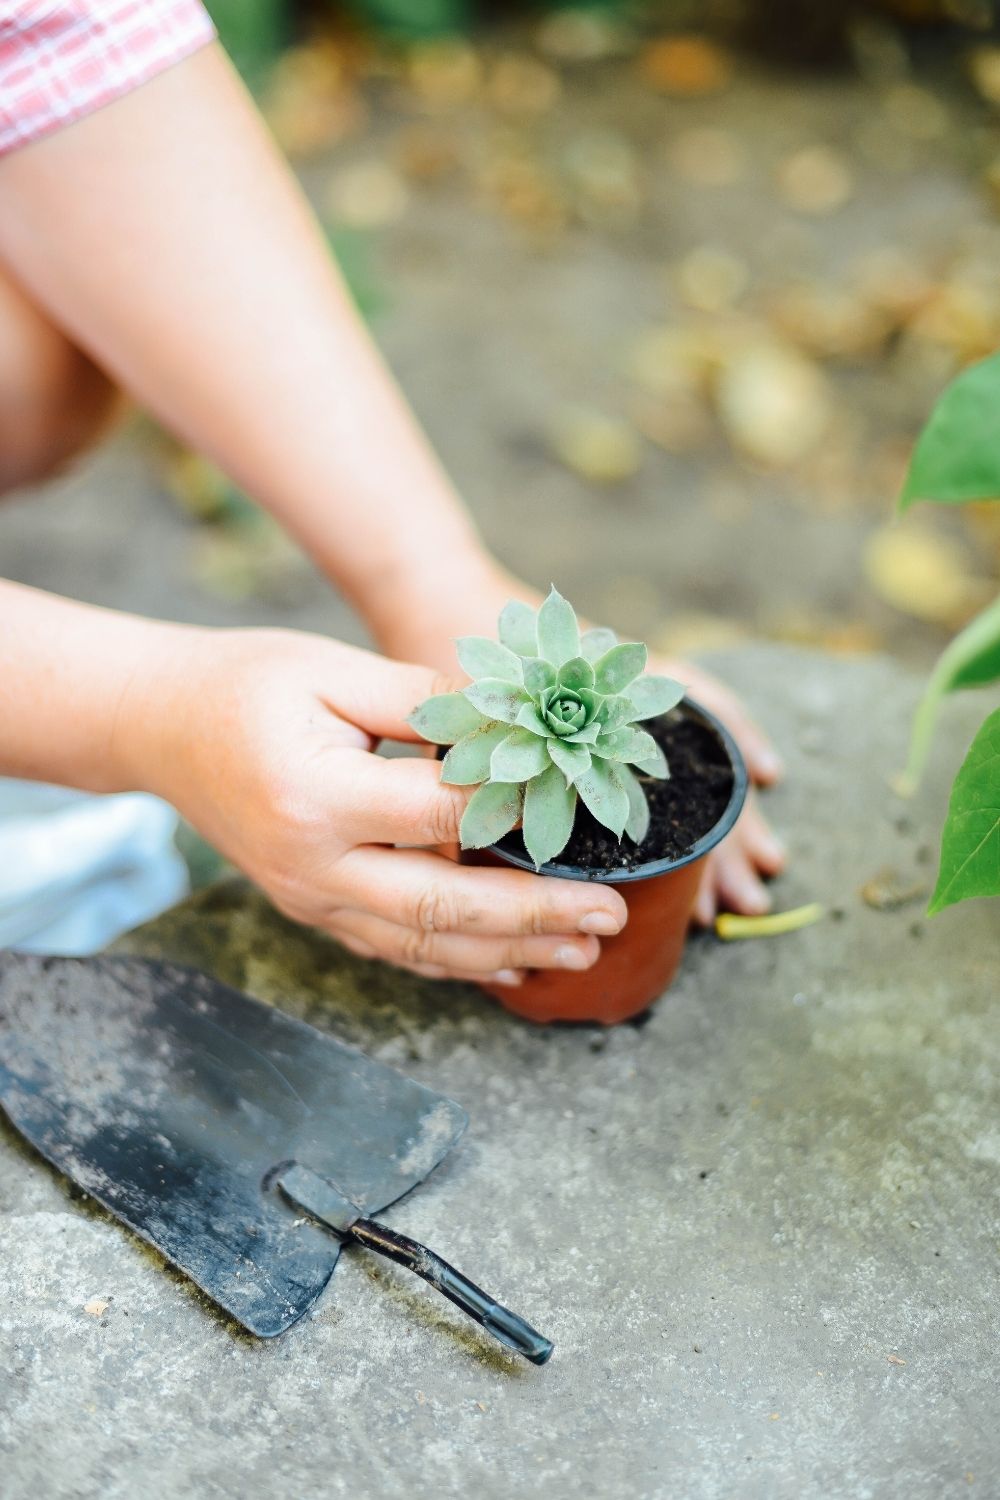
column 600, row 923
column 570, row 958
column 507, row 976
column 770, row 764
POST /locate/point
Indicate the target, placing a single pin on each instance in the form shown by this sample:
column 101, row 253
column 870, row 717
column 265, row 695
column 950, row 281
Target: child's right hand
column 264, row 740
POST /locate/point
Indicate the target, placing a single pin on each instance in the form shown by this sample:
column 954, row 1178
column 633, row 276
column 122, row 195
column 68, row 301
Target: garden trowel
column 245, row 1145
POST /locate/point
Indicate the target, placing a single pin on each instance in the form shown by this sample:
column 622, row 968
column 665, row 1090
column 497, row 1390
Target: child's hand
column 263, row 740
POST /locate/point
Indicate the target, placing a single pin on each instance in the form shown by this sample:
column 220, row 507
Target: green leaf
column 481, row 657
column 652, row 696
column 594, row 643
column 645, row 753
column 492, row 811
column 549, row 809
column 637, row 824
column 558, row 632
column 571, row 759
column 970, row 844
column 603, row 791
column 971, row 660
column 519, row 756
column 446, row 718
column 618, row 667
column 468, row 762
column 634, row 746
column 529, row 718
column 957, row 457
column 576, row 673
column 496, row 699
column 517, row 628
column 539, row 675
column 615, row 711
column 585, row 736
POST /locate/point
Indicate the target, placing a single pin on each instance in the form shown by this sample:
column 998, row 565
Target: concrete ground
column 762, row 1228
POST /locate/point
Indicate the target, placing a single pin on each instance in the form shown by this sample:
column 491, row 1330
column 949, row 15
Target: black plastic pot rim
column 654, row 867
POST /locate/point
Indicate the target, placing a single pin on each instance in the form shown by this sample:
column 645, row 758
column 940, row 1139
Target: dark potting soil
column 682, row 809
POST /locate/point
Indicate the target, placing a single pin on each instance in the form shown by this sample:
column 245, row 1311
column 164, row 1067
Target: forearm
column 71, row 677
column 168, row 237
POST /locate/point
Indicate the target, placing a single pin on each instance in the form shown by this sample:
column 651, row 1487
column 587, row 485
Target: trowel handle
column 500, row 1321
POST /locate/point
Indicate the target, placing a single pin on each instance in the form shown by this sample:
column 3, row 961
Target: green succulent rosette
column 551, row 715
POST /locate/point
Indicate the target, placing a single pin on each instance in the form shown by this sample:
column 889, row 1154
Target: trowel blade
column 176, row 1101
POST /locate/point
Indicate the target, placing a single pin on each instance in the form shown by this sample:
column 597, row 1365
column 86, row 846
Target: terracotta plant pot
column 638, row 965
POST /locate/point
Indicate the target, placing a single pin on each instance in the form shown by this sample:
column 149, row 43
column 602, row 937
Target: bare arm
column 168, row 237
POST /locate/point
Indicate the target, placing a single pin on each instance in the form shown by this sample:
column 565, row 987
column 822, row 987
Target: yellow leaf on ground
column 816, row 180
column 729, row 926
column 774, row 403
column 689, row 66
column 601, row 449
column 922, row 572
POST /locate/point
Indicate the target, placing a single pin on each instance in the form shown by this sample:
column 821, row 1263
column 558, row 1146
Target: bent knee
column 51, row 416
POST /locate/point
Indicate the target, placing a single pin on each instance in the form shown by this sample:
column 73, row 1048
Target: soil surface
column 682, row 809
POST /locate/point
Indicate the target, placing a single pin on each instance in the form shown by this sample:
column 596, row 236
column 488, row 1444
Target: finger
column 705, row 906
column 457, row 953
column 738, row 887
column 430, row 893
column 508, row 977
column 378, row 694
column 762, row 846
column 763, row 762
column 400, row 801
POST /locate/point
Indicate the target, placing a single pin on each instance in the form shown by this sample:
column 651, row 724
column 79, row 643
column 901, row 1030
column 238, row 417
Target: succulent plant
column 550, row 716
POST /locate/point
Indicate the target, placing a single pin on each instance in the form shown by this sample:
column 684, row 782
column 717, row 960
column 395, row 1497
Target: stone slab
column 762, row 1227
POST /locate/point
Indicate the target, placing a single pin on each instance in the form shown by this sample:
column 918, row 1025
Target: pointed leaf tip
column 618, row 667
column 480, row 657
column 446, row 718
column 492, row 811
column 517, row 628
column 558, row 630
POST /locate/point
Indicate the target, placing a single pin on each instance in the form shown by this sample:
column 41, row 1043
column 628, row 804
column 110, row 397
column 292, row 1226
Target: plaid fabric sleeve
column 61, row 59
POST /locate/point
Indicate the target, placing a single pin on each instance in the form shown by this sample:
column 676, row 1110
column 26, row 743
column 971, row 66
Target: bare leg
column 54, row 401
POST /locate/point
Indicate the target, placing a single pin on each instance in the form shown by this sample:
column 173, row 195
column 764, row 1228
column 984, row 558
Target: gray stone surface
column 762, row 1227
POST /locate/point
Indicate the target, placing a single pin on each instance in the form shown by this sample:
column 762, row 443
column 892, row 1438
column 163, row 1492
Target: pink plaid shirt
column 60, row 59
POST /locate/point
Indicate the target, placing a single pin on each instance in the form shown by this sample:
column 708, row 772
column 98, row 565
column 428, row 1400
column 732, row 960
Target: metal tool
column 204, row 1119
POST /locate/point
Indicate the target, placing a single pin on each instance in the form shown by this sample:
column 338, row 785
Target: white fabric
column 76, row 871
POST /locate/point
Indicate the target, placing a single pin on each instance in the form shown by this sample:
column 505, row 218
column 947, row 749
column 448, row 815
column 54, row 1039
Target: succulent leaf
column 496, row 699
column 518, row 631
column 576, row 673
column 481, row 657
column 603, row 792
column 637, row 823
column 615, row 711
column 635, row 747
column 558, row 631
column 539, row 674
column 549, row 809
column 446, row 718
column 468, row 761
column 492, row 811
column 645, row 753
column 571, row 759
column 618, row 667
column 595, row 642
column 550, row 717
column 651, row 696
column 586, row 736
column 528, row 717
column 519, row 757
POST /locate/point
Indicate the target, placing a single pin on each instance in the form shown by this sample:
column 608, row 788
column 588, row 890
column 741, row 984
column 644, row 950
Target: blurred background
column 671, row 286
